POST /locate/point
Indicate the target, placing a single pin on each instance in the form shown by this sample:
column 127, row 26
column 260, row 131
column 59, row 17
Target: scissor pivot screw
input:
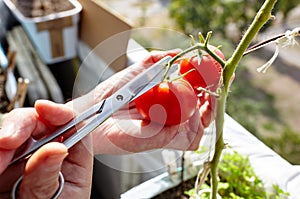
column 120, row 97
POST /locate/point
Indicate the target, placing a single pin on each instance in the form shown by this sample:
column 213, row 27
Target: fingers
column 17, row 128
column 20, row 124
column 155, row 56
column 126, row 132
column 119, row 79
column 206, row 114
column 78, row 169
column 9, row 176
column 41, row 173
column 5, row 158
column 52, row 113
column 190, row 133
column 207, row 109
column 196, row 130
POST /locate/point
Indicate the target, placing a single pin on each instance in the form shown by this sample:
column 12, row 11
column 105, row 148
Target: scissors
column 98, row 114
column 101, row 111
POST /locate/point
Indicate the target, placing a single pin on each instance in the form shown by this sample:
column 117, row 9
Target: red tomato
column 208, row 71
column 168, row 103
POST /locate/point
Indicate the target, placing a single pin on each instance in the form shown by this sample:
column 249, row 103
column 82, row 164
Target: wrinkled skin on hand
column 125, row 132
column 42, row 168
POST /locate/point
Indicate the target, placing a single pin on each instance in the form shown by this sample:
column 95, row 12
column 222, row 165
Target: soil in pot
column 178, row 191
column 38, row 8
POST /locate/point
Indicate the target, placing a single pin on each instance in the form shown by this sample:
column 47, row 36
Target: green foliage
column 193, row 16
column 239, row 181
column 285, row 6
column 242, row 182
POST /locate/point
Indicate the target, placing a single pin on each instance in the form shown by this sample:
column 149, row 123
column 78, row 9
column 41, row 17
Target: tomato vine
column 229, row 67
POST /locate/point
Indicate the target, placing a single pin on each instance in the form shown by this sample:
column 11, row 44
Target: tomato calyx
column 176, row 98
column 204, row 90
column 207, row 74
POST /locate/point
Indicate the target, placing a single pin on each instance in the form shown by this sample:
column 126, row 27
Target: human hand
column 41, row 171
column 126, row 132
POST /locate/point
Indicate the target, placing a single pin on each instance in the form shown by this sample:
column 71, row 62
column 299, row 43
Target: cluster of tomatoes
column 174, row 102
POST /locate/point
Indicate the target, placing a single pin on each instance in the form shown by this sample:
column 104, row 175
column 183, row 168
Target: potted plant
column 211, row 168
column 237, row 180
column 246, row 163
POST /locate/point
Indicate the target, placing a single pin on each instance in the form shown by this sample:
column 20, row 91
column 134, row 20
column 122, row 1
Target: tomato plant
column 207, row 71
column 168, row 103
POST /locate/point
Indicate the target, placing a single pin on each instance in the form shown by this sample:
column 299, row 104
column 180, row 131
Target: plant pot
column 267, row 165
column 55, row 36
column 170, row 180
column 236, row 178
column 154, row 186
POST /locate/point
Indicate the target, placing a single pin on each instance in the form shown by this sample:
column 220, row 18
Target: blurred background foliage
column 228, row 19
column 193, row 16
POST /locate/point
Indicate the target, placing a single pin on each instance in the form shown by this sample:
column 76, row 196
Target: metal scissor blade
column 155, row 81
column 139, row 85
column 33, row 145
column 103, row 109
column 151, row 76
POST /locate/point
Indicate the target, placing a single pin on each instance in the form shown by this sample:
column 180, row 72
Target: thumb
column 41, row 175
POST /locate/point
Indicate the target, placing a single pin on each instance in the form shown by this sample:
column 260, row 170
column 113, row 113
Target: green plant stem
column 263, row 15
column 261, row 18
column 219, row 144
column 197, row 46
